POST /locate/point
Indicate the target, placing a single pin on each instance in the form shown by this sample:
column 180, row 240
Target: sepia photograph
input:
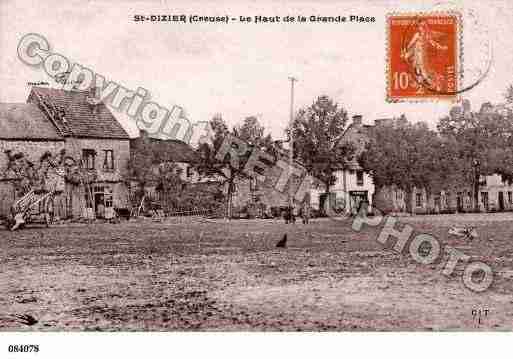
column 235, row 169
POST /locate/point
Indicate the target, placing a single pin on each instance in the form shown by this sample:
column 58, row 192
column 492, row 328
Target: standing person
column 294, row 212
column 289, row 215
column 305, row 212
column 100, row 209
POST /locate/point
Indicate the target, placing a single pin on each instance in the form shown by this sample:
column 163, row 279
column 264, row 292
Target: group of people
column 291, row 212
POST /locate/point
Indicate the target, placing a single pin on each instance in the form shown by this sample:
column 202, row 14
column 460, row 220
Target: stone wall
column 121, row 150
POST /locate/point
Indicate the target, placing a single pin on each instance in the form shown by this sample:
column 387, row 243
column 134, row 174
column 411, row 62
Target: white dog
column 467, row 232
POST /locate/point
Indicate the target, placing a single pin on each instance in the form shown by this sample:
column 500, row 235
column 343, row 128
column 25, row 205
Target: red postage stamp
column 424, row 56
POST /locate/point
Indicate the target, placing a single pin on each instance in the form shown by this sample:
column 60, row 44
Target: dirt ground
column 194, row 274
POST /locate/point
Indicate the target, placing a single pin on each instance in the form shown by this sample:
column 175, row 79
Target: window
column 418, row 199
column 108, row 197
column 510, row 198
column 88, row 156
column 359, row 178
column 108, row 160
column 484, row 199
column 188, row 171
column 253, row 184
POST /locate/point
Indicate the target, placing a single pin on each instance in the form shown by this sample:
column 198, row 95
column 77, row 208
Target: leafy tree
column 150, row 166
column 140, row 164
column 318, row 133
column 478, row 138
column 403, row 155
column 509, row 94
column 250, row 131
column 248, row 135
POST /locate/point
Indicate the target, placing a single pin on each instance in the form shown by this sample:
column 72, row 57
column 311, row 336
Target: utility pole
column 291, row 146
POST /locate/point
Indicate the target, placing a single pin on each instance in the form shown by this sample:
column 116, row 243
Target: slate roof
column 81, row 119
column 25, row 121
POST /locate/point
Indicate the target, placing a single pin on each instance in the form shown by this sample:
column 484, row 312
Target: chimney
column 94, row 92
column 93, row 98
column 357, row 120
column 384, row 122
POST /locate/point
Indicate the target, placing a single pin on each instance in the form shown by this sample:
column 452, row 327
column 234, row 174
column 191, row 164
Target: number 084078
column 23, row 348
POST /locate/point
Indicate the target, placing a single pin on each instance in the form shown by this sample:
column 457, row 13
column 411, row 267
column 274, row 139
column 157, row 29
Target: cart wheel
column 9, row 222
column 19, row 221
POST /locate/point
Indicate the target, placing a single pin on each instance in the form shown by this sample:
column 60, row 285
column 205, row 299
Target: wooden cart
column 33, row 207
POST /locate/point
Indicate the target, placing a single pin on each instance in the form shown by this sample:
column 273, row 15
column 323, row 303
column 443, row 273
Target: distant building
column 353, row 186
column 494, row 194
column 265, row 196
column 178, row 152
column 182, row 157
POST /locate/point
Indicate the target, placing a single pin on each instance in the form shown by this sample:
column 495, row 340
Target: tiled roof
column 25, row 121
column 81, row 120
column 174, row 150
column 179, row 151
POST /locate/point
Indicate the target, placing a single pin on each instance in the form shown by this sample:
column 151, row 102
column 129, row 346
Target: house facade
column 352, row 186
column 180, row 154
column 263, row 196
column 76, row 122
column 192, row 193
column 23, row 129
column 494, row 194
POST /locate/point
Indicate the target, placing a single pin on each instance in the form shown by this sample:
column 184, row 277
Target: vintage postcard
column 169, row 167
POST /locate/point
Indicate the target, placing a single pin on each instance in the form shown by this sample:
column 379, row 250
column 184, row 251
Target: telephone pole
column 291, row 146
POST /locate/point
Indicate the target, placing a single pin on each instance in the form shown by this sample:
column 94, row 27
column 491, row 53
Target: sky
column 240, row 70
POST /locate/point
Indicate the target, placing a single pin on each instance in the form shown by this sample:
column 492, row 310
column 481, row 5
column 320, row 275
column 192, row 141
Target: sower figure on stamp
column 416, row 53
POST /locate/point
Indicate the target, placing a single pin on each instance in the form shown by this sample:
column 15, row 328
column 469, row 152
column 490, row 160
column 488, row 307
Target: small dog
column 469, row 233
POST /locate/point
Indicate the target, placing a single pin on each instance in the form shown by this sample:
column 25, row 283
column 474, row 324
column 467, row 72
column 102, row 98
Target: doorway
column 484, row 200
column 102, row 199
column 357, row 200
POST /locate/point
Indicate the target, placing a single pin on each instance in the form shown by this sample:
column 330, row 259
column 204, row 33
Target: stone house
column 23, row 128
column 86, row 129
column 183, row 157
column 179, row 153
column 352, row 186
column 265, row 196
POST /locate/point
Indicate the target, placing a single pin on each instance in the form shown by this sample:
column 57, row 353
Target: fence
column 191, row 213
